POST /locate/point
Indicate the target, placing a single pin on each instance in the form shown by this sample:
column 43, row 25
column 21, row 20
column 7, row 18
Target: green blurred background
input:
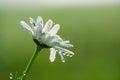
column 95, row 33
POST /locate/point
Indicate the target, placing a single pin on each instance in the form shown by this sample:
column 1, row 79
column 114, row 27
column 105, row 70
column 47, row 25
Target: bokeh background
column 93, row 26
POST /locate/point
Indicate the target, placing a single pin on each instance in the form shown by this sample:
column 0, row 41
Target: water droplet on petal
column 67, row 55
column 11, row 77
column 10, row 74
column 59, row 52
column 70, row 55
column 64, row 53
column 63, row 61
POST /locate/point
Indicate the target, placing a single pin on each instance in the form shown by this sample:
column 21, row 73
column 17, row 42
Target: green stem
column 30, row 63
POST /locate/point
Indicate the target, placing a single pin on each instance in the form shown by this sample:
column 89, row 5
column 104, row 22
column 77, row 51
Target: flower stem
column 30, row 62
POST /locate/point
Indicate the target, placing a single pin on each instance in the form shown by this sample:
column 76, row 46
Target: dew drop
column 10, row 74
column 63, row 61
column 11, row 77
column 64, row 53
column 59, row 52
column 67, row 55
column 70, row 55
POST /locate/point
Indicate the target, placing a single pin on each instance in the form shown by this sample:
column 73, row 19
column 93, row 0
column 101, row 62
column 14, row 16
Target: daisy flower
column 47, row 37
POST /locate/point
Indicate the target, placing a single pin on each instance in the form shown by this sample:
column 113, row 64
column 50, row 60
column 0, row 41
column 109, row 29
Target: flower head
column 46, row 36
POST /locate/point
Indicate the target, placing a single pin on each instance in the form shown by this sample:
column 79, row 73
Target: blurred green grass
column 95, row 33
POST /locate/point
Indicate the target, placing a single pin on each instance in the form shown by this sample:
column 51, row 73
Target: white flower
column 47, row 35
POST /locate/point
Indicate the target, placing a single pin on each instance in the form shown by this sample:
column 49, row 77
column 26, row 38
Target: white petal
column 62, row 50
column 52, row 54
column 49, row 40
column 62, row 58
column 26, row 27
column 54, row 30
column 62, row 44
column 58, row 38
column 47, row 26
column 32, row 21
column 66, row 41
column 39, row 22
